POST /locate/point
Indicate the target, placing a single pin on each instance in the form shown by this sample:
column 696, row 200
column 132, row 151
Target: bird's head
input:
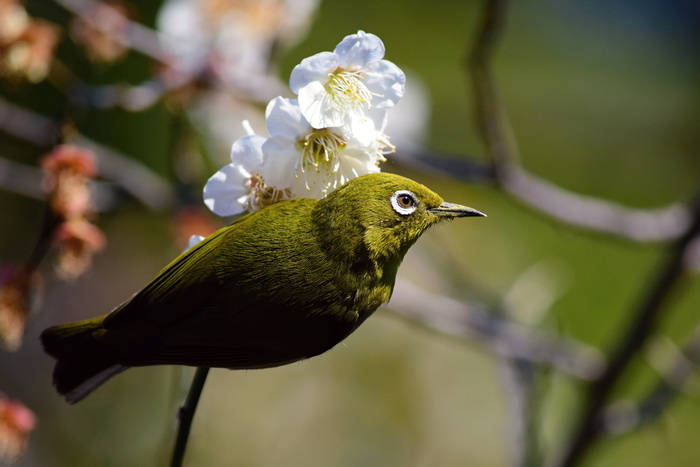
column 384, row 212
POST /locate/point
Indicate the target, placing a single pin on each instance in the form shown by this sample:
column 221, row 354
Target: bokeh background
column 604, row 99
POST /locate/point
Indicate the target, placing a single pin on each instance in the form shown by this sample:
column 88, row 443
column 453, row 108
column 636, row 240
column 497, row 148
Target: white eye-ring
column 404, row 202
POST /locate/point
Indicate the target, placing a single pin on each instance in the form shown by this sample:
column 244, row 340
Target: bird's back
column 267, row 295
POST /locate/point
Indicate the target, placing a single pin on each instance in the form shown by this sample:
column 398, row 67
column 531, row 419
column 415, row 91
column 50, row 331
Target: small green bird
column 281, row 284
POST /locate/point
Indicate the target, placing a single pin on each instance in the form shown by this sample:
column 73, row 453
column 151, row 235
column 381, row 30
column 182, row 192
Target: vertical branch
column 497, row 135
column 520, row 380
column 493, row 123
column 622, row 418
column 543, row 197
column 644, row 320
column 186, row 415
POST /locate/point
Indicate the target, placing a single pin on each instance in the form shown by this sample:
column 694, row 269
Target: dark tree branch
column 493, row 121
column 643, row 323
column 620, row 418
column 674, row 222
column 441, row 164
column 186, row 414
column 505, row 338
column 583, row 212
column 523, row 399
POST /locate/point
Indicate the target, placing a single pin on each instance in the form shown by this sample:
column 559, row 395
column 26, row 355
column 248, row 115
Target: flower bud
column 16, row 422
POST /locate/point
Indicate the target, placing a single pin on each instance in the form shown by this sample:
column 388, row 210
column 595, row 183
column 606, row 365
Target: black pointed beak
column 455, row 210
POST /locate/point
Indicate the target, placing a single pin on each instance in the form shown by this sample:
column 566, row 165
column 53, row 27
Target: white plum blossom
column 336, row 88
column 229, row 190
column 230, row 44
column 332, row 133
column 315, row 161
column 240, row 185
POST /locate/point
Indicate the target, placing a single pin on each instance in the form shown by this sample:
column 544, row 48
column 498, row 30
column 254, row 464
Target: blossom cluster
column 332, row 132
column 68, row 170
column 26, row 44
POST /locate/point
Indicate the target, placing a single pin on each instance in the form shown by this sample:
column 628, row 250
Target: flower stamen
column 384, row 147
column 321, row 149
column 347, row 91
column 262, row 195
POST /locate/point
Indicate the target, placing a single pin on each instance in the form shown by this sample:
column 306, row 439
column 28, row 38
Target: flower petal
column 246, row 152
column 317, row 106
column 280, row 160
column 314, row 68
column 224, row 189
column 359, row 50
column 227, row 191
column 285, row 118
column 357, row 162
column 380, row 117
column 387, row 82
column 361, row 129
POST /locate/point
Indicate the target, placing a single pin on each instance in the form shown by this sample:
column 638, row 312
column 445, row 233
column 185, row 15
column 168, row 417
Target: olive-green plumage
column 278, row 285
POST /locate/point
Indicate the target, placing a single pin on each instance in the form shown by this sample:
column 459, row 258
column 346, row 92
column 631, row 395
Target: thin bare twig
column 26, row 180
column 21, row 179
column 508, row 339
column 178, row 73
column 136, row 36
column 523, row 400
column 674, row 222
column 583, row 212
column 641, row 225
column 493, row 121
column 186, row 415
column 26, row 124
column 129, row 174
column 622, row 417
column 440, row 164
column 643, row 323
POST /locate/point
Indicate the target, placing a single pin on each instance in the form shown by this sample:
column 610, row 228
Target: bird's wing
column 173, row 293
column 246, row 344
column 245, row 297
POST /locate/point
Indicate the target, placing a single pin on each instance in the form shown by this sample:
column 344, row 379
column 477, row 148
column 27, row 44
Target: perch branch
column 186, row 414
column 643, row 323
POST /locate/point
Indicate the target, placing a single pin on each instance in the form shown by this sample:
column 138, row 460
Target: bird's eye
column 404, row 202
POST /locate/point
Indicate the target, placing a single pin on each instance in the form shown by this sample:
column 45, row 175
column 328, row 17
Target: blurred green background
column 604, row 98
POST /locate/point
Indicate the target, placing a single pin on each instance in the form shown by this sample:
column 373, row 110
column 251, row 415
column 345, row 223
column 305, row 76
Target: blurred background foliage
column 604, row 101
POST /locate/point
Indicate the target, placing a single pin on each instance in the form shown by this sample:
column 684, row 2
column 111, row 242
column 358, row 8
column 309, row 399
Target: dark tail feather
column 83, row 363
